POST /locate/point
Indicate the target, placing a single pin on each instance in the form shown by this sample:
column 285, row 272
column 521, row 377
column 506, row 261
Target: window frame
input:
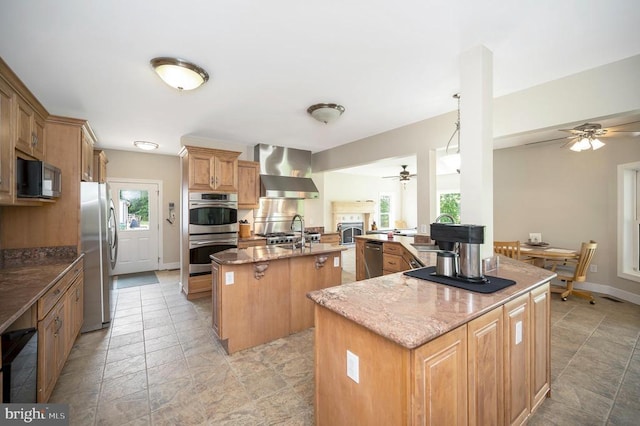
column 629, row 221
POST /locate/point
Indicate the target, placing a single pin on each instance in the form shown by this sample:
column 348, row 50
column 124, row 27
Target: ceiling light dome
column 326, row 113
column 146, row 145
column 180, row 74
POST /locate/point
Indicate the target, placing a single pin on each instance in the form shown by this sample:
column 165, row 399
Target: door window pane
column 450, row 204
column 385, row 211
column 133, row 210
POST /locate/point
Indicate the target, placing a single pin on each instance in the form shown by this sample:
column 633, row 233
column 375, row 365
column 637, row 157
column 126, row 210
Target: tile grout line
column 626, row 371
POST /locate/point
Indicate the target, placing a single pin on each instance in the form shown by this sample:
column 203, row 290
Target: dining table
column 542, row 253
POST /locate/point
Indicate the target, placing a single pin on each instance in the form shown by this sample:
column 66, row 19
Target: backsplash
column 35, row 255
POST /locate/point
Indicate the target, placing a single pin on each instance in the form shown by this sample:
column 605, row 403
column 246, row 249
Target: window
column 629, row 221
column 450, row 204
column 385, row 212
column 134, row 210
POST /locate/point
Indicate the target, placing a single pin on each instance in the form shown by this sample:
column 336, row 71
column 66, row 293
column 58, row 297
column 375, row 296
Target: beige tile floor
column 160, row 364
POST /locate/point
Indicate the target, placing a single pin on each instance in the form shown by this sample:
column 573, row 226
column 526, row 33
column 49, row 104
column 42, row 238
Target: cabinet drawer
column 51, row 297
column 392, row 248
column 393, row 263
column 200, row 283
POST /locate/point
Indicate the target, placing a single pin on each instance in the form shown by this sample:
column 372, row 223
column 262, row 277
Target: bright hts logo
column 26, row 416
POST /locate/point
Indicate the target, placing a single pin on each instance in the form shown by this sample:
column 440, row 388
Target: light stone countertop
column 410, row 311
column 22, row 286
column 270, row 252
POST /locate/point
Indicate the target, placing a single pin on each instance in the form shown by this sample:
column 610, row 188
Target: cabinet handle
column 77, row 294
column 34, row 140
column 57, row 292
column 58, row 322
column 212, row 181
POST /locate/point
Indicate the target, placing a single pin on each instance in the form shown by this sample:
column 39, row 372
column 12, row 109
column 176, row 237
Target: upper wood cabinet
column 248, row 184
column 30, row 130
column 6, row 158
column 211, row 169
column 86, row 155
column 100, row 161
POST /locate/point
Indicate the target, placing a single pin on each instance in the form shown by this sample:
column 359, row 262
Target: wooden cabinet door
column 540, row 345
column 51, row 340
column 225, row 171
column 200, row 174
column 517, row 389
column 6, row 149
column 75, row 299
column 99, row 166
column 440, row 387
column 485, row 375
column 86, row 158
column 248, row 184
column 24, row 131
column 39, row 141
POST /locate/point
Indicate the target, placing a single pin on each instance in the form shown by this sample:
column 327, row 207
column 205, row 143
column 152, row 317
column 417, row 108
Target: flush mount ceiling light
column 326, row 113
column 146, row 145
column 179, row 74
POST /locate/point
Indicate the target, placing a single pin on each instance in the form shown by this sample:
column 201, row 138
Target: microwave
column 37, row 179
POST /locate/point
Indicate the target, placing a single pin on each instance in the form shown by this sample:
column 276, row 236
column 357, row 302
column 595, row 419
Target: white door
column 136, row 208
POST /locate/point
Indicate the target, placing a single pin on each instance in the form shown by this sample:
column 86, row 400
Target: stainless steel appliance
column 463, row 241
column 289, row 237
column 100, row 247
column 201, row 246
column 285, row 172
column 373, row 259
column 37, row 179
column 211, row 213
column 19, row 366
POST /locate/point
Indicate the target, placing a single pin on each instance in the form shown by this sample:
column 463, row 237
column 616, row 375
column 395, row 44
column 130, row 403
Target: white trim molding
column 628, row 189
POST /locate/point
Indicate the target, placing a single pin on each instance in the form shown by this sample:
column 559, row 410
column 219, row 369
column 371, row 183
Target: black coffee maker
column 463, row 243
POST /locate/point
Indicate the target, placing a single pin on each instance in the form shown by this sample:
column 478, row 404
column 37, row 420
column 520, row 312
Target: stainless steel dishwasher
column 373, row 258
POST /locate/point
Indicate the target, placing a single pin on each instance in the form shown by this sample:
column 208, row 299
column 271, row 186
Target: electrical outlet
column 228, row 277
column 593, row 268
column 336, row 262
column 353, row 366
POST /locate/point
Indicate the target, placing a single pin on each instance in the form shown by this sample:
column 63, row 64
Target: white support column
column 476, row 142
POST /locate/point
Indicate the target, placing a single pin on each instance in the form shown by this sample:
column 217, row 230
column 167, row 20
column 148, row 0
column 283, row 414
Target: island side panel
column 254, row 309
column 310, row 273
column 382, row 394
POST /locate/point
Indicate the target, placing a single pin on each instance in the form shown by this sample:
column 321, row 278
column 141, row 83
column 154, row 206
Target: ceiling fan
column 587, row 136
column 404, row 175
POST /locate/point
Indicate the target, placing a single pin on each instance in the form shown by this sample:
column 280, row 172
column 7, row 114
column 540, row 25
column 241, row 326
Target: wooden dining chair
column 510, row 249
column 575, row 271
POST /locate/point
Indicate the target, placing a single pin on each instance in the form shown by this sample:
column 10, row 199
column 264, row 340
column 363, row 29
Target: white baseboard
column 609, row 291
column 168, row 266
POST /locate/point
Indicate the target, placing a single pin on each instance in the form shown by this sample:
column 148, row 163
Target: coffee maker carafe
column 465, row 241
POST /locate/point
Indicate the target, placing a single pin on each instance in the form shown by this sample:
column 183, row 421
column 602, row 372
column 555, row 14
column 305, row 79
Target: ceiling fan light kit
column 326, row 113
column 179, row 74
column 586, row 137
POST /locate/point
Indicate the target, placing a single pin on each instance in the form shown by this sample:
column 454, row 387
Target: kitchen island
column 259, row 293
column 400, row 350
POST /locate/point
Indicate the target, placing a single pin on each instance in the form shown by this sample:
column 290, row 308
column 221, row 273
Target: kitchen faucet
column 297, row 216
column 447, row 216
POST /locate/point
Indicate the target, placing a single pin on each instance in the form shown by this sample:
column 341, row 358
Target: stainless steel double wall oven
column 213, row 227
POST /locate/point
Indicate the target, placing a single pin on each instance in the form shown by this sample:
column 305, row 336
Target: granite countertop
column 270, row 252
column 427, row 258
column 22, row 286
column 410, row 311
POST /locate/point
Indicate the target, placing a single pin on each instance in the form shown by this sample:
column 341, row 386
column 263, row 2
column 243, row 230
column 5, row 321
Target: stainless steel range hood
column 285, row 172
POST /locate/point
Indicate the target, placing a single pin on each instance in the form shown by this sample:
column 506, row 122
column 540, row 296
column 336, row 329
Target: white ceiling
column 389, row 63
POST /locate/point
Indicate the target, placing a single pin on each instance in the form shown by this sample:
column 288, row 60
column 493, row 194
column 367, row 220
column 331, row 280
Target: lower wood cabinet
column 58, row 327
column 494, row 370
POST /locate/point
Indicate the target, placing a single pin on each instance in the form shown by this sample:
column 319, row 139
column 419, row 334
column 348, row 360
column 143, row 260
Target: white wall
column 569, row 197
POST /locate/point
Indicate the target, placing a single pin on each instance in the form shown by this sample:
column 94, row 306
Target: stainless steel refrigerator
column 100, row 248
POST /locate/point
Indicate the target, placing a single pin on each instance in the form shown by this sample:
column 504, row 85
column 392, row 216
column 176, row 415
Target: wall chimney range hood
column 285, row 172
